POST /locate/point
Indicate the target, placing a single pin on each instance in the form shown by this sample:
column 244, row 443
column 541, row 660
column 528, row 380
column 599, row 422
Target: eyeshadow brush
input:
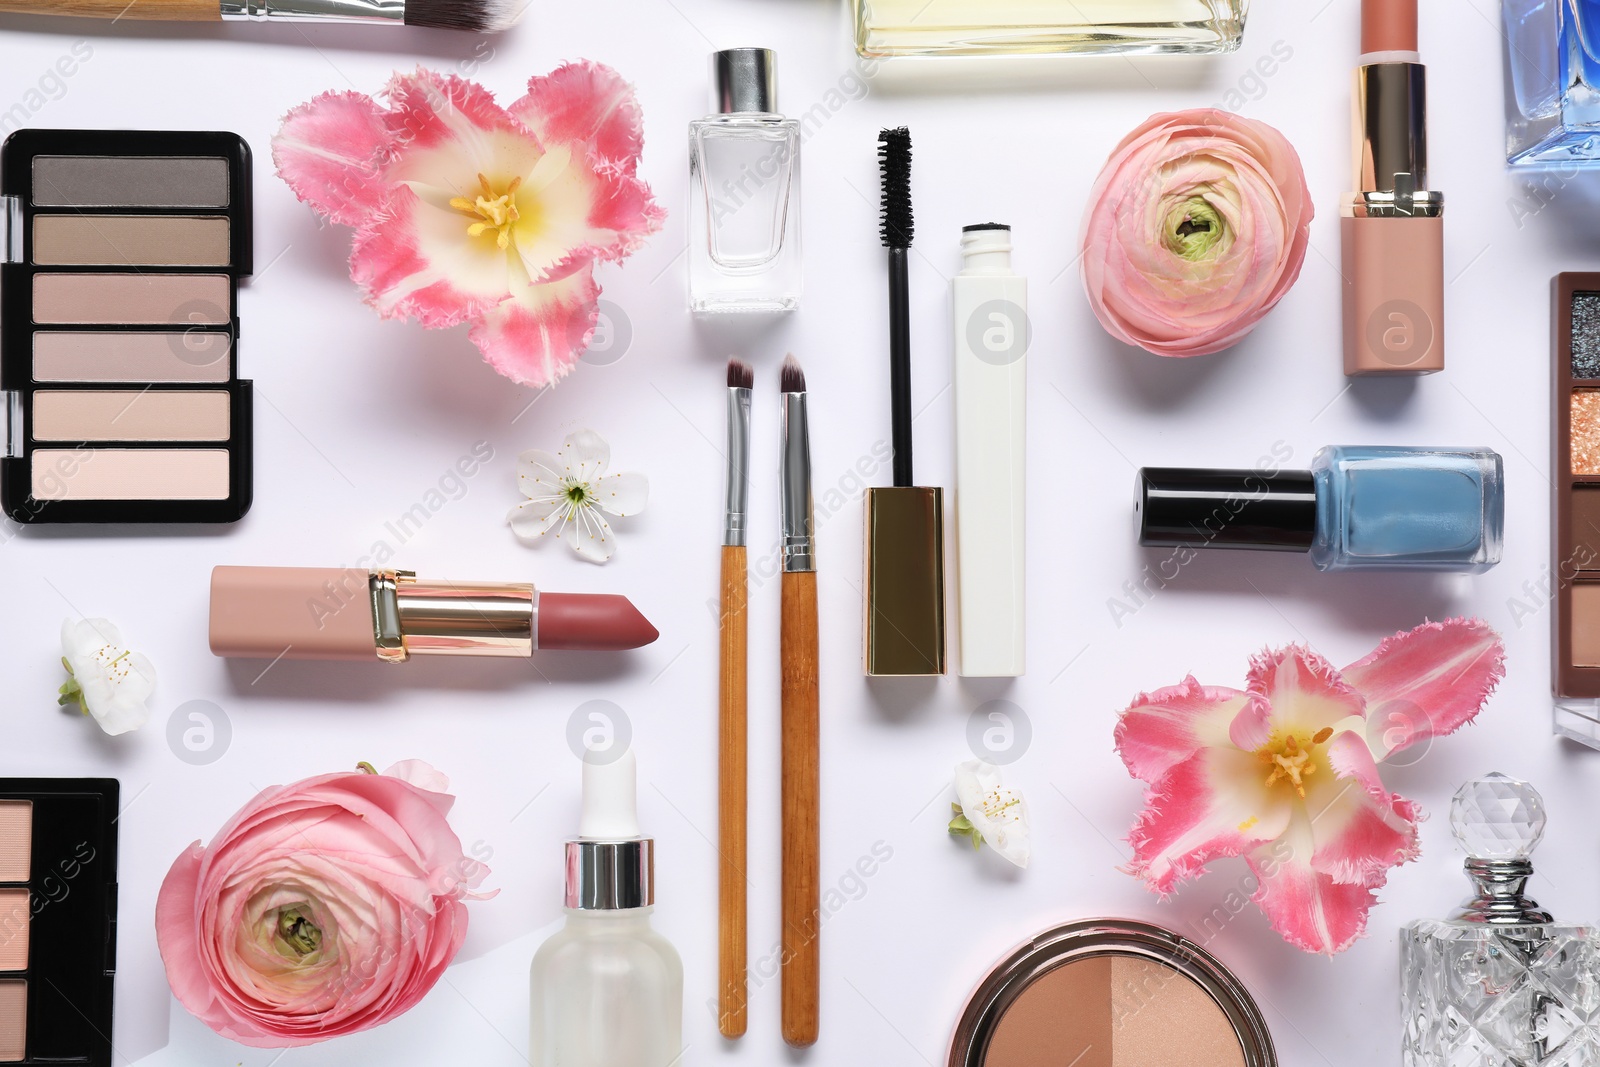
column 802, row 845
column 473, row 16
column 733, row 695
column 904, row 631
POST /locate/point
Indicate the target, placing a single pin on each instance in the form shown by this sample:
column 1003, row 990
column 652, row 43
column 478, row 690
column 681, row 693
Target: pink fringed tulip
column 1196, row 228
column 323, row 908
column 467, row 212
column 1285, row 772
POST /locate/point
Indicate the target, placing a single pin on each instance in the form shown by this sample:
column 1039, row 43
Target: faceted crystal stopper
column 1498, row 817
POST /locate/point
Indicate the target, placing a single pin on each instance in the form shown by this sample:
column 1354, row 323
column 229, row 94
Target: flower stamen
column 1291, row 760
column 491, row 211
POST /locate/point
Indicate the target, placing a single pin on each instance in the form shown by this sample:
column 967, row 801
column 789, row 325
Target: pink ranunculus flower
column 1196, row 228
column 1285, row 772
column 322, row 908
column 468, row 212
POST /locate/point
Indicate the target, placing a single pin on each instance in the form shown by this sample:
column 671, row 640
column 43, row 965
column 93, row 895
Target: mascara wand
column 897, row 229
column 904, row 581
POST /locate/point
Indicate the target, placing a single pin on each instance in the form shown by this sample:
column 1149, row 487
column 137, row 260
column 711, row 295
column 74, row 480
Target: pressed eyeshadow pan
column 131, row 240
column 119, row 329
column 130, row 181
column 130, row 415
column 13, row 1020
column 197, row 356
column 132, row 299
column 16, row 824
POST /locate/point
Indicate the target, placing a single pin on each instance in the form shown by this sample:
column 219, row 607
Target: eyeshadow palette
column 119, row 326
column 58, row 920
column 1575, row 511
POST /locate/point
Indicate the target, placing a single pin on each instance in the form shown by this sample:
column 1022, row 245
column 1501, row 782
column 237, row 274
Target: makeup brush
column 733, row 692
column 474, row 16
column 904, row 580
column 802, row 843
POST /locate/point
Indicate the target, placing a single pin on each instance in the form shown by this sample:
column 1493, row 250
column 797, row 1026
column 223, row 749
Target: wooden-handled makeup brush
column 802, row 837
column 733, row 693
column 474, row 16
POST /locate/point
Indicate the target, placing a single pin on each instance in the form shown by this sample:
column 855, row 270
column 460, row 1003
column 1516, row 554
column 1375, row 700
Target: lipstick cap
column 905, row 617
column 1226, row 508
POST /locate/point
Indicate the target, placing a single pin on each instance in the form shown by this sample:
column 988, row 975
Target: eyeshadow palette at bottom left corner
column 58, row 925
column 119, row 327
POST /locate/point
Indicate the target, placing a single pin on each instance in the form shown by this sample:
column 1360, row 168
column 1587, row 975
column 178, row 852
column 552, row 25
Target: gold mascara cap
column 905, row 620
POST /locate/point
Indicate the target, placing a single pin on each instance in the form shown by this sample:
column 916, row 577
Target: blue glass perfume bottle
column 1552, row 84
column 1358, row 508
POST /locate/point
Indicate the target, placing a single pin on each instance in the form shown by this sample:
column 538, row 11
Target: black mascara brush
column 905, row 622
column 897, row 228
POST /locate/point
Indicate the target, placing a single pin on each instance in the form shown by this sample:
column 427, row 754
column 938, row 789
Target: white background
column 356, row 420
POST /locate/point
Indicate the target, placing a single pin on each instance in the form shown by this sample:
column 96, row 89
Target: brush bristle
column 792, row 378
column 741, row 375
column 897, row 227
column 474, row 16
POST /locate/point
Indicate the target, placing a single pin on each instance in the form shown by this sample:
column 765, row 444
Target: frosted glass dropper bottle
column 607, row 989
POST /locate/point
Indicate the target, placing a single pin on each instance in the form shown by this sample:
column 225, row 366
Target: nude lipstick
column 1392, row 225
column 353, row 614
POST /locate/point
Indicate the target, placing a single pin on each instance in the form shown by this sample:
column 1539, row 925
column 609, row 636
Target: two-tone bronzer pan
column 119, row 327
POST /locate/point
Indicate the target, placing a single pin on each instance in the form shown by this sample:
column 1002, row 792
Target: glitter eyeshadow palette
column 119, row 327
column 58, row 920
column 1575, row 522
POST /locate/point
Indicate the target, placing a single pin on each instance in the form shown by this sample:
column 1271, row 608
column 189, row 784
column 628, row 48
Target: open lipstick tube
column 353, row 614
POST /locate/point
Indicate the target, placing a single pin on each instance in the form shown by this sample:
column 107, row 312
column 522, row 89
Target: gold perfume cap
column 905, row 621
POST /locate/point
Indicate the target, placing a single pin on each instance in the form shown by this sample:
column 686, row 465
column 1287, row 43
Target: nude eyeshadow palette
column 119, row 327
column 58, row 920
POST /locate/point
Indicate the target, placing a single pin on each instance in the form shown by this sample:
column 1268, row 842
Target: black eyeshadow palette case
column 119, row 327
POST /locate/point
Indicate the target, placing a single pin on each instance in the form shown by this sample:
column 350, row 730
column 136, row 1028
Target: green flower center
column 1194, row 229
column 577, row 494
column 297, row 932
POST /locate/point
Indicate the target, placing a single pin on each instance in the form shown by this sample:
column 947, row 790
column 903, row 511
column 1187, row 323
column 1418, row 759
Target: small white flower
column 104, row 678
column 989, row 812
column 568, row 491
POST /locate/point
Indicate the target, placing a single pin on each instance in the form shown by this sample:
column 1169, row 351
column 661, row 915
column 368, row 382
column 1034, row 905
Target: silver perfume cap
column 1499, row 821
column 745, row 80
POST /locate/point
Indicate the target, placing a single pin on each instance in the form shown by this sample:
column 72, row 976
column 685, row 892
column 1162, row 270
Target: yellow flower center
column 1293, row 758
column 491, row 211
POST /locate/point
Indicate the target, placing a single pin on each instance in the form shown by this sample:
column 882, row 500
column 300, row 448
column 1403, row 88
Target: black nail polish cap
column 1226, row 508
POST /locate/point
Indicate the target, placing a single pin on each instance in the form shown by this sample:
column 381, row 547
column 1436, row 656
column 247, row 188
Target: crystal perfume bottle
column 1552, row 84
column 1500, row 984
column 1020, row 27
column 1366, row 507
column 744, row 181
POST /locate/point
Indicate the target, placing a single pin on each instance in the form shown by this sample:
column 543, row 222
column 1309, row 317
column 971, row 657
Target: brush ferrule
column 798, row 544
column 736, row 516
column 391, row 11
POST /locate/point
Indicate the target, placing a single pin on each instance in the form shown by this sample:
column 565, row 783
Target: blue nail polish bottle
column 1358, row 508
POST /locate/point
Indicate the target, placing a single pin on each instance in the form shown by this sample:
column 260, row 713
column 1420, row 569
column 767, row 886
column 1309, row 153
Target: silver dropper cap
column 610, row 864
column 745, row 80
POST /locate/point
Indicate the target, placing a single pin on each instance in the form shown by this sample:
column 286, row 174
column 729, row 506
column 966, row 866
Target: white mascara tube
column 991, row 373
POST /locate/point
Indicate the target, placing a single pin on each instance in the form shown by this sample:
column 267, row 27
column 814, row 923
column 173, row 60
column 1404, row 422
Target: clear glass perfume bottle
column 744, row 182
column 1500, row 984
column 1368, row 507
column 1552, row 84
column 1000, row 27
column 607, row 990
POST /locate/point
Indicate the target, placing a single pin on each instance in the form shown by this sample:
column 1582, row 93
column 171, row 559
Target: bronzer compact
column 1111, row 993
column 119, row 326
column 1575, row 511
column 58, row 920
